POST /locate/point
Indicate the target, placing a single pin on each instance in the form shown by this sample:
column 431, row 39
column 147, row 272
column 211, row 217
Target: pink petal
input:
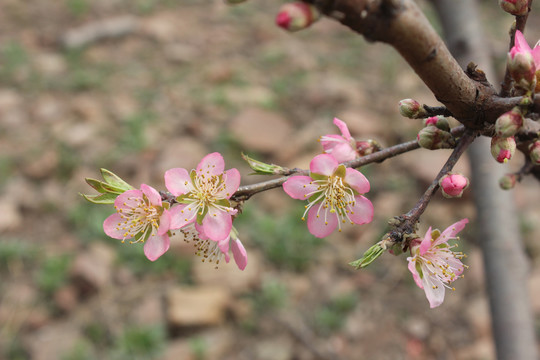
column 328, row 142
column 181, row 215
column 434, row 290
column 200, row 230
column 323, row 164
column 128, row 199
column 177, row 181
column 299, row 187
column 164, row 223
column 152, row 194
column 357, row 180
column 224, row 245
column 362, row 211
column 520, row 43
column 536, row 56
column 426, row 242
column 112, row 226
column 217, row 224
column 343, row 152
column 343, row 127
column 156, row 246
column 239, row 254
column 232, row 182
column 211, row 164
column 323, row 224
column 414, row 272
column 450, row 232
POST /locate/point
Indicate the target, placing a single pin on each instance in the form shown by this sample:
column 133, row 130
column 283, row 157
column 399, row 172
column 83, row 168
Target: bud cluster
column 431, row 137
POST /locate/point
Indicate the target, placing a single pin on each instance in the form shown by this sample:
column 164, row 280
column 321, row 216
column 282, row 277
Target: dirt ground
column 142, row 86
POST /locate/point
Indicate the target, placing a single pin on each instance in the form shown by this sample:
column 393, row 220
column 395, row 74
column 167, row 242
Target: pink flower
column 141, row 216
column 202, row 196
column 213, row 251
column 342, row 147
column 334, row 195
column 434, row 265
column 524, row 63
column 453, row 185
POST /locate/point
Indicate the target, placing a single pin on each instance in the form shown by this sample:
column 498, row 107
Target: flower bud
column 534, row 152
column 367, row 147
column 297, row 16
column 439, row 121
column 433, row 138
column 411, row 109
column 522, row 68
column 514, row 7
column 508, row 181
column 509, row 123
column 452, row 185
column 503, row 148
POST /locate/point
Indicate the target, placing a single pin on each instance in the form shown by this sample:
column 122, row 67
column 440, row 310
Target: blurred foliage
column 283, row 239
column 139, row 343
column 15, row 251
column 87, row 219
column 331, row 317
column 53, row 273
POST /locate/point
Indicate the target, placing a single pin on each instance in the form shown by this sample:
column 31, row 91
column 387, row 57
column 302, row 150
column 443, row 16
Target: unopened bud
column 452, row 185
column 297, row 16
column 439, row 121
column 367, row 147
column 522, row 69
column 433, row 138
column 508, row 181
column 411, row 109
column 534, row 152
column 515, row 7
column 263, row 168
column 509, row 123
column 369, row 256
column 503, row 148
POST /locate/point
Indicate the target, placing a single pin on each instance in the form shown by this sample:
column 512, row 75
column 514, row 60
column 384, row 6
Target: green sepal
column 369, row 256
column 314, row 197
column 193, row 176
column 223, row 202
column 419, row 269
column 316, row 176
column 184, row 199
column 115, row 181
column 96, row 184
column 200, row 216
column 262, row 168
column 106, row 198
column 341, row 171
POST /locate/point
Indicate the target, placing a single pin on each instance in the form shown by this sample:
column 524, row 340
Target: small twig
column 521, row 21
column 437, row 110
column 408, row 221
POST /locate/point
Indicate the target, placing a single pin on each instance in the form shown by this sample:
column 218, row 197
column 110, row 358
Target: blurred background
column 141, row 86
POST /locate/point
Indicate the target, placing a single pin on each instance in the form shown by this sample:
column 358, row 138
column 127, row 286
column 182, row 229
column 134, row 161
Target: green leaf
column 106, row 198
column 369, row 256
column 115, row 181
column 96, row 184
column 112, row 189
column 262, row 168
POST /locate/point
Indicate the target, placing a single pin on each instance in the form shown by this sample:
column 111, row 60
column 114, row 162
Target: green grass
column 331, row 317
column 139, row 343
column 14, row 250
column 284, row 240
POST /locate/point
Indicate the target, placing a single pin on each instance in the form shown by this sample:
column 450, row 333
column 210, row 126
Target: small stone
column 199, row 306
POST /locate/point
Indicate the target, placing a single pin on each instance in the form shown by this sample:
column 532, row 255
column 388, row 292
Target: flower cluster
column 201, row 211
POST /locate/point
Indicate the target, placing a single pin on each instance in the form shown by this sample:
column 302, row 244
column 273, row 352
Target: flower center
column 442, row 263
column 336, row 197
column 140, row 218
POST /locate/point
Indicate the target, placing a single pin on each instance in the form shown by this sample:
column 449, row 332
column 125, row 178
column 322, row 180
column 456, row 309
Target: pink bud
column 534, row 152
column 411, row 109
column 439, row 121
column 503, row 148
column 508, row 181
column 452, row 185
column 515, row 7
column 521, row 63
column 297, row 16
column 367, row 147
column 509, row 123
column 433, row 138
